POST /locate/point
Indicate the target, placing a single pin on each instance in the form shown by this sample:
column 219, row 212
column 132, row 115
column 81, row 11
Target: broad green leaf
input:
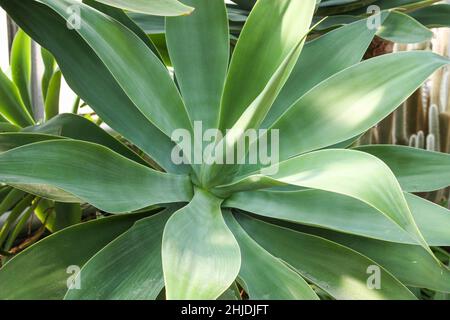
column 143, row 77
column 11, row 105
column 199, row 50
column 320, row 59
column 272, row 30
column 401, row 28
column 339, row 271
column 122, row 17
column 56, row 258
column 11, row 140
column 347, row 172
column 49, row 67
column 200, row 255
column 263, row 275
column 153, row 7
column 416, row 170
column 21, row 66
column 345, row 214
column 408, row 263
column 92, row 173
column 129, row 267
column 99, row 90
column 433, row 16
column 79, row 128
column 353, row 100
column 51, row 105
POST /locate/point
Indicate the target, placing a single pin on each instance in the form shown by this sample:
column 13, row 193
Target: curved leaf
column 200, row 255
column 51, row 105
column 272, row 30
column 153, row 7
column 401, row 28
column 153, row 93
column 320, row 59
column 11, row 105
column 11, row 140
column 344, row 273
column 416, row 170
column 21, row 66
column 91, row 173
column 79, row 128
column 199, row 50
column 124, row 19
column 129, row 267
column 8, row 127
column 434, row 16
column 352, row 101
column 351, row 173
column 345, row 214
column 49, row 67
column 410, row 264
column 263, row 275
column 99, row 90
column 53, row 257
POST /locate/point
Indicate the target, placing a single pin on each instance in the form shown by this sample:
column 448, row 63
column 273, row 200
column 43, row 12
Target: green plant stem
column 76, row 105
column 14, row 215
column 20, row 225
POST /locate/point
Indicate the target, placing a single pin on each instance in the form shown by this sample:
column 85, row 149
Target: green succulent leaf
column 263, row 275
column 410, row 264
column 79, row 128
column 92, row 173
column 55, row 258
column 199, row 51
column 272, row 30
column 200, row 255
column 351, row 173
column 11, row 140
column 338, row 270
column 345, row 214
column 153, row 7
column 416, row 170
column 8, row 127
column 124, row 19
column 100, row 89
column 320, row 59
column 49, row 68
column 352, row 101
column 433, row 16
column 67, row 214
column 51, row 105
column 21, row 66
column 154, row 94
column 127, row 268
column 11, row 105
column 401, row 28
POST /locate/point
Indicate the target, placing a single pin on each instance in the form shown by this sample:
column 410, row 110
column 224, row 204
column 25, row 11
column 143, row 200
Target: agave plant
column 319, row 221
